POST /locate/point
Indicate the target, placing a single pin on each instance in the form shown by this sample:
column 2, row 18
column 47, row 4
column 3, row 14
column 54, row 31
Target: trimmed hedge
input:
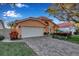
column 61, row 35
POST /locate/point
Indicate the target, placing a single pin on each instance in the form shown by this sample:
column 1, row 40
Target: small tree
column 11, row 24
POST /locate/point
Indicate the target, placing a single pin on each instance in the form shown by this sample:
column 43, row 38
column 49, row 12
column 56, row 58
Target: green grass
column 15, row 49
column 74, row 39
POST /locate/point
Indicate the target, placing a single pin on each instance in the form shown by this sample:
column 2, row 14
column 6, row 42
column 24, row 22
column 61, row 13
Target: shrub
column 76, row 33
column 1, row 37
column 46, row 33
column 14, row 35
column 51, row 33
column 61, row 35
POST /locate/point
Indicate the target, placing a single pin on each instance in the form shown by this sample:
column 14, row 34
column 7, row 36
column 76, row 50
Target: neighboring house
column 4, row 31
column 33, row 27
column 67, row 27
column 77, row 25
column 1, row 27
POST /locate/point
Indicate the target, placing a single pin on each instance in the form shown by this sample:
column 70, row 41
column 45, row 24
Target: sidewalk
column 8, row 40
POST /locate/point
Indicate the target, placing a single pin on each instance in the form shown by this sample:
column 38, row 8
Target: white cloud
column 21, row 5
column 11, row 14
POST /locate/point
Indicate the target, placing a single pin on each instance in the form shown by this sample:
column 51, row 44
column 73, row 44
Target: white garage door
column 32, row 31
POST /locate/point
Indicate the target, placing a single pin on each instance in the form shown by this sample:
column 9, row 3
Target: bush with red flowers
column 13, row 35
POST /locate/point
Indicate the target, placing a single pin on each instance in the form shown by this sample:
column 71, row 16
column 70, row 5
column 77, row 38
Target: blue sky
column 21, row 11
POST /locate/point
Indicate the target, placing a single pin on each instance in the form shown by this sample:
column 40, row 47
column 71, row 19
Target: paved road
column 46, row 46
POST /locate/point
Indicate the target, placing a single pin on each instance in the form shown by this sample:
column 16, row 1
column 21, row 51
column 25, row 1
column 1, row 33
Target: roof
column 20, row 21
column 36, row 19
column 65, row 24
column 44, row 18
column 47, row 19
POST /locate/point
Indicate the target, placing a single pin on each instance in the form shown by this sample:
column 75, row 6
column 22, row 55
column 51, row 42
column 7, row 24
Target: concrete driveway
column 46, row 46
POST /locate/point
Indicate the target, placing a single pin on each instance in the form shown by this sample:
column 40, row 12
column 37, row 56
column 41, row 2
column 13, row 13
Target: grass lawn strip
column 15, row 49
column 74, row 39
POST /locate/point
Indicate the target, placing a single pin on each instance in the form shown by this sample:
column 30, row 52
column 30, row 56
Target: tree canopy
column 64, row 11
column 11, row 24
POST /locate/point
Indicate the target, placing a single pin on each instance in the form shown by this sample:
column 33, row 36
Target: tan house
column 33, row 27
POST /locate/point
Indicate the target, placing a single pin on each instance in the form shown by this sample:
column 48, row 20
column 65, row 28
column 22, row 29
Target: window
column 19, row 26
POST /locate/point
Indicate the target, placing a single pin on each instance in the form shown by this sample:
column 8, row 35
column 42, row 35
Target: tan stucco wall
column 29, row 23
column 53, row 27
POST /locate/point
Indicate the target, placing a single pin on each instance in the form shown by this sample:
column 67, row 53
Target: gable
column 32, row 23
column 48, row 22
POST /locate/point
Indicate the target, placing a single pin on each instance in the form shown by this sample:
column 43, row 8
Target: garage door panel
column 32, row 31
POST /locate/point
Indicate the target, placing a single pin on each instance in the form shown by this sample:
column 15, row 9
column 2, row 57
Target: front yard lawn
column 15, row 49
column 74, row 38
